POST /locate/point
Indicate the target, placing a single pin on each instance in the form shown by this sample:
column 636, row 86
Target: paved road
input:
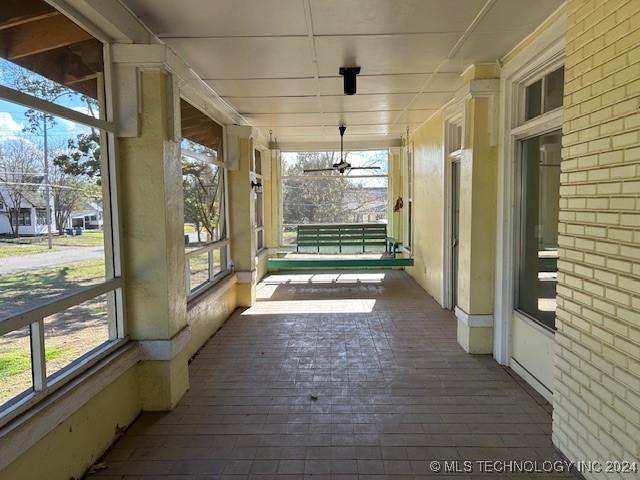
column 60, row 256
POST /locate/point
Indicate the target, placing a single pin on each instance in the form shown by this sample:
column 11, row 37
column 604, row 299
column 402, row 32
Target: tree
column 203, row 201
column 328, row 197
column 82, row 156
column 20, row 177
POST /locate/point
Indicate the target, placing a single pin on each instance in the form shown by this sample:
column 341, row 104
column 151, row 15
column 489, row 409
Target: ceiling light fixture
column 349, row 74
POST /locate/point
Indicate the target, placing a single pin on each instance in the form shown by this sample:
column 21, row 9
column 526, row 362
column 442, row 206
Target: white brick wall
column 597, row 390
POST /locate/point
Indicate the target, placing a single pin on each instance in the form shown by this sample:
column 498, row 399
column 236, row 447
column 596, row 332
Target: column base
column 475, row 332
column 162, row 383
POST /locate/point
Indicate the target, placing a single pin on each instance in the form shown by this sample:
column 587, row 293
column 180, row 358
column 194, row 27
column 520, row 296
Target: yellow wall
column 597, row 387
column 80, row 440
column 428, row 205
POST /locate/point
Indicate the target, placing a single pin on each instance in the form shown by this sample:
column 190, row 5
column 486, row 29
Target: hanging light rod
column 349, row 74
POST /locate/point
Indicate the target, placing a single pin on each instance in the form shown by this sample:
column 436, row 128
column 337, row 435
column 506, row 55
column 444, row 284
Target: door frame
column 454, row 118
column 543, row 53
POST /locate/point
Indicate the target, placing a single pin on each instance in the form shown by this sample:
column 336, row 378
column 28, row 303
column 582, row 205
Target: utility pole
column 47, row 189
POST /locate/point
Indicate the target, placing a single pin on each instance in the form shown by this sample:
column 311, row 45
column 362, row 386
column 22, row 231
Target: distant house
column 89, row 218
column 32, row 213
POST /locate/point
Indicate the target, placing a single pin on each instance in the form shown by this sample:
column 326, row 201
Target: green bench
column 393, row 246
column 343, row 236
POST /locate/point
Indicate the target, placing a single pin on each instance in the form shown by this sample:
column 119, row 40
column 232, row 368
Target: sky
column 13, row 120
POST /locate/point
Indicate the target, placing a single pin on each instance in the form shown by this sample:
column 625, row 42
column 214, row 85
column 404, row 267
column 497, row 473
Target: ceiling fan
column 342, row 166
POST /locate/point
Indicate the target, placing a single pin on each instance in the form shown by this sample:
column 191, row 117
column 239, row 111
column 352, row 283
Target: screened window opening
column 204, row 189
column 258, row 201
column 58, row 312
column 329, row 197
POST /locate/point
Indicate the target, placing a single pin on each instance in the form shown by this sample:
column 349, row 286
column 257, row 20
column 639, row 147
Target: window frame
column 283, row 177
column 408, row 180
column 43, row 385
column 221, row 244
column 258, row 226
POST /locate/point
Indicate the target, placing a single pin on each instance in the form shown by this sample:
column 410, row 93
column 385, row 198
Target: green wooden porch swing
column 363, row 245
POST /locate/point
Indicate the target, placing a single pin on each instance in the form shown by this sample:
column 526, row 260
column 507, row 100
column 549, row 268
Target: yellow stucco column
column 153, row 246
column 477, row 227
column 242, row 215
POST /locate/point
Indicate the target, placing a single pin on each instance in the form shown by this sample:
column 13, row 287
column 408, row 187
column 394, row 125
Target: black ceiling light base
column 349, row 74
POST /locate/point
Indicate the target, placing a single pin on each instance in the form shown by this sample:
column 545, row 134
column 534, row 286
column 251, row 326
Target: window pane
column 334, row 200
column 203, row 185
column 70, row 334
column 540, row 197
column 533, row 100
column 201, row 130
column 30, row 272
column 260, row 239
column 258, row 162
column 15, row 364
column 219, row 260
column 68, row 74
column 554, row 89
column 259, row 210
column 198, row 270
column 372, row 162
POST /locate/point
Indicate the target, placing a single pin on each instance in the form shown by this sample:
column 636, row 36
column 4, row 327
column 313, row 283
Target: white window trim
column 542, row 55
column 43, row 385
column 454, row 117
column 259, row 178
column 409, row 156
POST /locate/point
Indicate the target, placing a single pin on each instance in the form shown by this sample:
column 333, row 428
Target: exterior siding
column 597, row 379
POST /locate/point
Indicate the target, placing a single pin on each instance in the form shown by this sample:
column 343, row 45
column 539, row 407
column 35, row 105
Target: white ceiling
column 277, row 61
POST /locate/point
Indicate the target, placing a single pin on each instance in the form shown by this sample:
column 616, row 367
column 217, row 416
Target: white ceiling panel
column 284, row 119
column 221, row 18
column 246, row 57
column 415, row 116
column 360, row 118
column 517, row 15
column 274, row 104
column 297, row 131
column 346, row 17
column 384, row 54
column 432, row 100
column 365, row 103
column 282, row 87
column 263, row 56
column 370, row 84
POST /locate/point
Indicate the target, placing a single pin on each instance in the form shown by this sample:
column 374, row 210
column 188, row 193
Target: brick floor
column 337, row 376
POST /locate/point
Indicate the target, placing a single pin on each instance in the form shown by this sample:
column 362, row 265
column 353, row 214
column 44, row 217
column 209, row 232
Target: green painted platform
column 289, row 263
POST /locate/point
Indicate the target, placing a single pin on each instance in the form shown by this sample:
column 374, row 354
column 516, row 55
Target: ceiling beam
column 40, row 36
column 18, row 12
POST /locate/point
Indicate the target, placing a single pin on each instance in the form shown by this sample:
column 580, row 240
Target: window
column 58, row 318
column 204, row 185
column 328, row 197
column 258, row 200
column 538, row 229
column 41, row 216
column 408, row 197
column 23, row 217
column 544, row 94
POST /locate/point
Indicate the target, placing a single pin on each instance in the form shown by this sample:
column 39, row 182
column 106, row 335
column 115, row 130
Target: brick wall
column 597, row 390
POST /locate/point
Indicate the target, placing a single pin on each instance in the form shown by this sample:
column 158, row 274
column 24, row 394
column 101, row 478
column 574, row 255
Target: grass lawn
column 19, row 250
column 28, row 289
column 68, row 334
column 89, row 238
